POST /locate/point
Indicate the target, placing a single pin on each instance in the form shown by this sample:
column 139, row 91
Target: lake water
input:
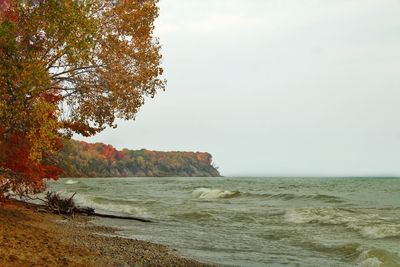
column 248, row 221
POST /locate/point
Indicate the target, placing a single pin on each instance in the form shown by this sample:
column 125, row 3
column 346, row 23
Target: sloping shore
column 32, row 238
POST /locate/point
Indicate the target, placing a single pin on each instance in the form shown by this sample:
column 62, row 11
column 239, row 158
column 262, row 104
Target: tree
column 71, row 66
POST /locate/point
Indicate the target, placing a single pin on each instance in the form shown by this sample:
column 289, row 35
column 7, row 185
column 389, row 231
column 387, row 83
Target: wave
column 370, row 262
column 379, row 231
column 115, row 200
column 347, row 251
column 328, row 198
column 326, row 215
column 369, row 226
column 356, row 253
column 218, row 193
column 69, row 182
column 291, row 196
column 377, row 258
column 318, row 197
column 208, row 193
column 195, row 215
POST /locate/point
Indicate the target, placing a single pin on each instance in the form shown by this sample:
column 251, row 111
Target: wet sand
column 32, row 238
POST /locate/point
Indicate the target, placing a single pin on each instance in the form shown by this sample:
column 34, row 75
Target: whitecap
column 325, row 215
column 364, row 260
column 380, row 231
column 370, row 262
column 69, row 182
column 208, row 193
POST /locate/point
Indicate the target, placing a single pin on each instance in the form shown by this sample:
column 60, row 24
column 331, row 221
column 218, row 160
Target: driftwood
column 60, row 205
column 55, row 204
column 121, row 217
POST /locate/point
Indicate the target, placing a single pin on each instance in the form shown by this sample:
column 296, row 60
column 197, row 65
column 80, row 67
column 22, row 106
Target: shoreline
column 32, row 238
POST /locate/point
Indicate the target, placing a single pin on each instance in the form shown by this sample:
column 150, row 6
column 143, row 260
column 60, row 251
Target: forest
column 82, row 159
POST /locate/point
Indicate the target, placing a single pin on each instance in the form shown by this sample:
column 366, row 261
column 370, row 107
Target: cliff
column 81, row 159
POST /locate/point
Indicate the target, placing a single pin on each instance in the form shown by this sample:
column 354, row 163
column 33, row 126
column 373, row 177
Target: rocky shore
column 32, row 238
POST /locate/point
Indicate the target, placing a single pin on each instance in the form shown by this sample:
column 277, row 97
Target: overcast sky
column 277, row 87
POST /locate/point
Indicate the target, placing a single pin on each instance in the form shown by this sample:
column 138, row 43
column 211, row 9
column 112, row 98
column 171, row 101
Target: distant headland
column 82, row 159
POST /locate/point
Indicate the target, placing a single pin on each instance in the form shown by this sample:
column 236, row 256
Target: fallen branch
column 55, row 204
column 122, row 217
column 60, row 205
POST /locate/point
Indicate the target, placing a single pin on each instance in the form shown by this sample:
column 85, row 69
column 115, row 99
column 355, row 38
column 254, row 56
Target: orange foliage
column 81, row 159
column 69, row 67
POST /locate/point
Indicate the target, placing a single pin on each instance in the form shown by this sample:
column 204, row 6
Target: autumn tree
column 69, row 66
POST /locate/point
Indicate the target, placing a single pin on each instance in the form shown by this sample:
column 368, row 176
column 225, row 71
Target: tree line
column 81, row 159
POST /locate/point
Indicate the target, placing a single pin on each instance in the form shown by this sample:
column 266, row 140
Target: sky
column 276, row 87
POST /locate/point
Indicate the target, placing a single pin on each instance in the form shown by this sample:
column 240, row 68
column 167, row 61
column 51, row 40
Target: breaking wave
column 377, row 258
column 367, row 225
column 327, row 215
column 291, row 196
column 69, row 182
column 319, row 197
column 218, row 193
column 208, row 193
column 379, row 231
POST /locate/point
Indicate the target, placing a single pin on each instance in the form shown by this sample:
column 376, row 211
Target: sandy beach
column 32, row 238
